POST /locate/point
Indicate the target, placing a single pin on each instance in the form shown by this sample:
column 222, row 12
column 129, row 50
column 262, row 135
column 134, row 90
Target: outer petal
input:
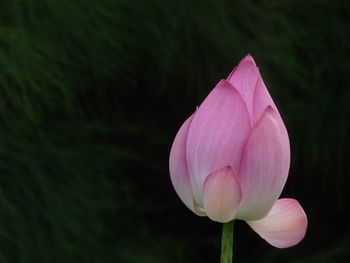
column 216, row 136
column 284, row 226
column 244, row 78
column 264, row 168
column 222, row 195
column 178, row 166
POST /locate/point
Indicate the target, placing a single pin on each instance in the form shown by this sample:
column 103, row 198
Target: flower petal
column 178, row 166
column 244, row 78
column 264, row 168
column 284, row 226
column 216, row 136
column 262, row 100
column 222, row 195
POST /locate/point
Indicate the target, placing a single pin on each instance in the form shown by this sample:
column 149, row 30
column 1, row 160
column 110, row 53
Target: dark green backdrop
column 93, row 92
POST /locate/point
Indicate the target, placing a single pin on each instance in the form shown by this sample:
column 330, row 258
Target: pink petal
column 216, row 136
column 244, row 78
column 262, row 100
column 264, row 168
column 178, row 166
column 222, row 195
column 284, row 226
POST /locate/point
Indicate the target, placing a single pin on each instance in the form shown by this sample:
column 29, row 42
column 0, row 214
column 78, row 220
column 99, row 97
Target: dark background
column 93, row 92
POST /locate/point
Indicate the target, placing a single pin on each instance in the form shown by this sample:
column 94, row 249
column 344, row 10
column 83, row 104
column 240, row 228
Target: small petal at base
column 284, row 226
column 222, row 195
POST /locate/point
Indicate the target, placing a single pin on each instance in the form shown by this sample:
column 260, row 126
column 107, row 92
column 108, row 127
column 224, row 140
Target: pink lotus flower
column 230, row 159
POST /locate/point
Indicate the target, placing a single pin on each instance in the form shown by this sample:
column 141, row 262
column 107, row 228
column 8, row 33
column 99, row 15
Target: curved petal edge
column 264, row 167
column 222, row 195
column 178, row 166
column 284, row 226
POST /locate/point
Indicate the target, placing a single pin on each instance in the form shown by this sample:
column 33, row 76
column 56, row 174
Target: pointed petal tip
column 248, row 58
column 270, row 113
column 223, row 83
column 246, row 62
column 285, row 225
column 269, row 109
column 222, row 195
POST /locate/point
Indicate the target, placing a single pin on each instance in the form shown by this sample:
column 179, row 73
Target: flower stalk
column 227, row 242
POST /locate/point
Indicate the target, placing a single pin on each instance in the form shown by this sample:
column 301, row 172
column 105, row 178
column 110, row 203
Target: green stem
column 227, row 242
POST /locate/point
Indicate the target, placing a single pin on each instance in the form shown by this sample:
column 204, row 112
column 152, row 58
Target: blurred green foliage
column 93, row 92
